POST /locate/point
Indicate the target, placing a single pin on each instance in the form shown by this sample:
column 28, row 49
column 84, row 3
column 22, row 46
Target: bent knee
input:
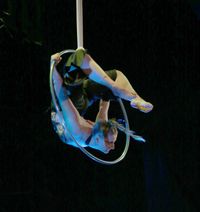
column 119, row 73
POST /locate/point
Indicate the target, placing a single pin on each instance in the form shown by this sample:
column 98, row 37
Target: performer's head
column 104, row 135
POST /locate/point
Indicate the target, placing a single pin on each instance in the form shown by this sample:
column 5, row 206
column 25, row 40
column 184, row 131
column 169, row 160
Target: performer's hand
column 56, row 57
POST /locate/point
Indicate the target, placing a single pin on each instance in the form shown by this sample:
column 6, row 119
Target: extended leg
column 120, row 87
column 97, row 74
column 136, row 102
column 70, row 113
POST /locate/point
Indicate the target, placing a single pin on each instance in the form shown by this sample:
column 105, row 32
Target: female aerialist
column 83, row 81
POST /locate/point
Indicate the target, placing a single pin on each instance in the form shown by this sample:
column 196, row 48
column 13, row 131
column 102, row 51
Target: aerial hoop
column 53, row 95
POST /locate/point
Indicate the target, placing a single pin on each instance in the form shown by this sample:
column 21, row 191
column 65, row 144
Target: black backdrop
column 156, row 44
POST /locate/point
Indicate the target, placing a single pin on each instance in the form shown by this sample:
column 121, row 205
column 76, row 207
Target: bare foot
column 141, row 105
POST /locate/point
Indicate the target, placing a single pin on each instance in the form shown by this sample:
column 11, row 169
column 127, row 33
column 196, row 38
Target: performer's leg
column 120, row 87
column 70, row 113
column 136, row 102
column 97, row 74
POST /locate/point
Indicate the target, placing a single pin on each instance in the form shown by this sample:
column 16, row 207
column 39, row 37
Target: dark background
column 156, row 44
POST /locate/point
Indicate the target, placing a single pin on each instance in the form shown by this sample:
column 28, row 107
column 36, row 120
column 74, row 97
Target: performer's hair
column 104, row 127
column 111, row 126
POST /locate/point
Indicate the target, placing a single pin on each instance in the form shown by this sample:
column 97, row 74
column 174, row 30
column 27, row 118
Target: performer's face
column 105, row 144
column 110, row 140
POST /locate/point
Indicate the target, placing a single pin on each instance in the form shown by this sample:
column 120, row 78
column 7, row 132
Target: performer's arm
column 103, row 110
column 71, row 115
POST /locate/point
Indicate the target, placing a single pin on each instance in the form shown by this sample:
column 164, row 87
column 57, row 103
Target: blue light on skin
column 102, row 144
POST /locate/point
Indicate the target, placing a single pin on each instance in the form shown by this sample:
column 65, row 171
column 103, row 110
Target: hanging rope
column 79, row 23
